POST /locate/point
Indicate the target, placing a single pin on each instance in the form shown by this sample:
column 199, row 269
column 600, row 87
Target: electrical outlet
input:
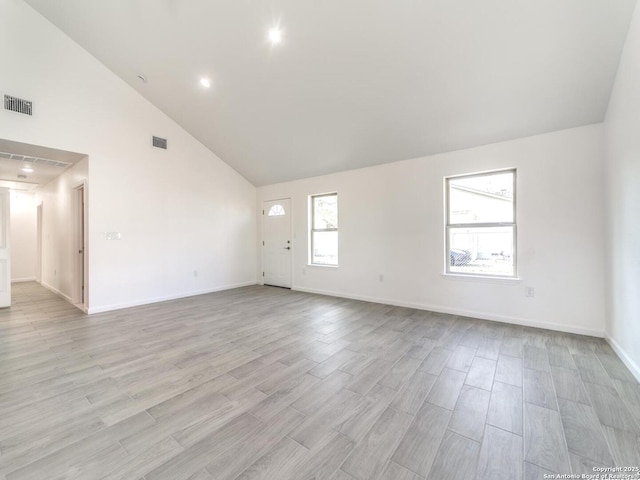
column 530, row 292
column 195, row 273
column 381, row 278
column 112, row 235
column 304, row 271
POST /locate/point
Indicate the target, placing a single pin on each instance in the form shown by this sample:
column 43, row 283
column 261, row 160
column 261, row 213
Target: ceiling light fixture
column 275, row 36
column 27, row 169
column 205, row 82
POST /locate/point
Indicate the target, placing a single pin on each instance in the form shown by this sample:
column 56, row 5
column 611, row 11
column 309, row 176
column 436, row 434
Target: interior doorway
column 277, row 247
column 47, row 244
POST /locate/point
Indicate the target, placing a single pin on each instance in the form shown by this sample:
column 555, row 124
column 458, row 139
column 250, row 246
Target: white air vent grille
column 19, row 105
column 34, row 160
column 160, row 142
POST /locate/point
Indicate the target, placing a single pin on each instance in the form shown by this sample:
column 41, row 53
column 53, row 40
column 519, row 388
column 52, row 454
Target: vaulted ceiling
column 358, row 82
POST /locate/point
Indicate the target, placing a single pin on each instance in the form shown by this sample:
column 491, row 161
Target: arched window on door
column 276, row 210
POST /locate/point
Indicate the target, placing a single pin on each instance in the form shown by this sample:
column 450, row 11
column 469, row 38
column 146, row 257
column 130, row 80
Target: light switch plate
column 112, row 236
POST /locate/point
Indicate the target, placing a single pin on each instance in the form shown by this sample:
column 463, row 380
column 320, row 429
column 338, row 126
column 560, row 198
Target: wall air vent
column 18, row 105
column 160, row 142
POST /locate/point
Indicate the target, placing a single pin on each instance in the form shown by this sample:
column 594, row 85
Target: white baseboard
column 81, row 307
column 26, row 279
column 147, row 301
column 633, row 367
column 56, row 291
column 465, row 313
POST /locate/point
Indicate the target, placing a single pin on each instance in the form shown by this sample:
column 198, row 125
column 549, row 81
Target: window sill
column 317, row 265
column 482, row 279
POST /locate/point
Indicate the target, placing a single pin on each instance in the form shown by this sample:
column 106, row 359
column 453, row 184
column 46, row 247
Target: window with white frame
column 324, row 230
column 481, row 224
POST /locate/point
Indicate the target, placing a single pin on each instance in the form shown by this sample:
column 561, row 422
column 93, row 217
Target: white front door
column 5, row 252
column 276, row 242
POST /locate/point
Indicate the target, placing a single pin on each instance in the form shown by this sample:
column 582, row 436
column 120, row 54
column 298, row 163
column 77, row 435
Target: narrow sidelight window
column 324, row 230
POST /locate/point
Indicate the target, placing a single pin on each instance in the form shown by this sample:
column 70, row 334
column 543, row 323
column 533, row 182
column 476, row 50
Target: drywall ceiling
column 360, row 82
column 46, row 164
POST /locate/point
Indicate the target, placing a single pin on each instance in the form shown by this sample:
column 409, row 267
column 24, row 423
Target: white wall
column 391, row 221
column 23, row 236
column 622, row 131
column 59, row 242
column 179, row 211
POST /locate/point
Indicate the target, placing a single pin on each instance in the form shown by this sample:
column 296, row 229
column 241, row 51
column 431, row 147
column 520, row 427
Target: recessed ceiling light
column 27, row 168
column 275, row 36
column 205, row 82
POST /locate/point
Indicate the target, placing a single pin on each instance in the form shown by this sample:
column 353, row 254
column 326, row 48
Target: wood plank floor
column 265, row 383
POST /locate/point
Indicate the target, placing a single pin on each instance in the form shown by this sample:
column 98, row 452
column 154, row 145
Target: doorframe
column 5, row 213
column 80, row 240
column 39, row 217
column 291, row 233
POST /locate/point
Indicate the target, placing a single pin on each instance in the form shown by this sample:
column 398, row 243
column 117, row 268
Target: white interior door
column 39, row 252
column 5, row 252
column 276, row 243
column 79, row 245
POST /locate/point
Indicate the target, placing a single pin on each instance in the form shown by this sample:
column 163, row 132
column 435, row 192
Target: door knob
column 287, row 248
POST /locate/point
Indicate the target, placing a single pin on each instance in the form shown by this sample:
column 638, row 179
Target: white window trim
column 466, row 277
column 312, row 230
column 480, row 276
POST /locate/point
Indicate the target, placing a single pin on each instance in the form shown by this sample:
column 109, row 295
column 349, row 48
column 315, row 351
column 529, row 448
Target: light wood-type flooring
column 266, row 383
